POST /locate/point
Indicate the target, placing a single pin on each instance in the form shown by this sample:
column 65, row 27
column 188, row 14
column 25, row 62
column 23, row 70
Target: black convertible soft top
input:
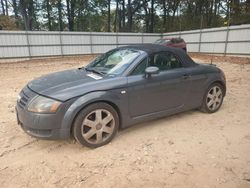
column 154, row 48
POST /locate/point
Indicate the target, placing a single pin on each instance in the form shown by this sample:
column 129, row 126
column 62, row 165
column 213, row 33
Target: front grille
column 24, row 99
column 26, row 94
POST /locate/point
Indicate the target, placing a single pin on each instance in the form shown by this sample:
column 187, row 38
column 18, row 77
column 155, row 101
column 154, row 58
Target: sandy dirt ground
column 191, row 149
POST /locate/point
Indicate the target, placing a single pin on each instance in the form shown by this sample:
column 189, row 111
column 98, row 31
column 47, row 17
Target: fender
column 113, row 97
column 218, row 78
column 211, row 80
column 202, row 77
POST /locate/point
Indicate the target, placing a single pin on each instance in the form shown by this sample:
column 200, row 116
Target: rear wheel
column 213, row 98
column 96, row 125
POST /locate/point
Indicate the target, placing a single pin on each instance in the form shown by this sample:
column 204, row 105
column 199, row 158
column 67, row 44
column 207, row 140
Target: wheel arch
column 218, row 81
column 203, row 107
column 221, row 83
column 112, row 104
column 82, row 102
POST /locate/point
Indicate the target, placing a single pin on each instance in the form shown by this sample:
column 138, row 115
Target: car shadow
column 156, row 122
column 72, row 145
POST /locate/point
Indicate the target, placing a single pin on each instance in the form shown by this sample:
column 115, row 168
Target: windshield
column 113, row 62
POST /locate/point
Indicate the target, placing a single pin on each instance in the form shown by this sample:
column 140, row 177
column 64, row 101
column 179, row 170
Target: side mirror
column 151, row 70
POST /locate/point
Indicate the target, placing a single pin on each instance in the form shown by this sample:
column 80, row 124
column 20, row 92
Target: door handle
column 186, row 76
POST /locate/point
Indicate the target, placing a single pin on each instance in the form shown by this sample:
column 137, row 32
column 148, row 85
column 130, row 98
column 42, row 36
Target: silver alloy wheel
column 214, row 98
column 98, row 126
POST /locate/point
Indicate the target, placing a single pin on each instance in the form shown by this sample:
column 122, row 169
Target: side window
column 140, row 69
column 165, row 61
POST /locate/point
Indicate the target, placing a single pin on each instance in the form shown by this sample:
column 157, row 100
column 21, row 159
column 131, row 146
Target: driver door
column 165, row 91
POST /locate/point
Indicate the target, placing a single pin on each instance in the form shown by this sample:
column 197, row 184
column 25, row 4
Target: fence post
column 201, row 25
column 90, row 42
column 28, row 43
column 61, row 44
column 200, row 40
column 142, row 38
column 226, row 42
column 180, row 34
column 117, row 39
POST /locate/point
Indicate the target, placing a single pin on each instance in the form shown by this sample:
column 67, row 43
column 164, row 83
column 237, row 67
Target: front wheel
column 213, row 98
column 96, row 125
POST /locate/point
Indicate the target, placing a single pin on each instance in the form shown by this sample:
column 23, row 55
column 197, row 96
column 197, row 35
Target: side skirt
column 155, row 115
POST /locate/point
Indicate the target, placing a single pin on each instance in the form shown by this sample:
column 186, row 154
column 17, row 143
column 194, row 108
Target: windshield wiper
column 95, row 71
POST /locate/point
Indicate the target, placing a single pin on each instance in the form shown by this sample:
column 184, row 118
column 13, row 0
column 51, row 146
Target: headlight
column 43, row 105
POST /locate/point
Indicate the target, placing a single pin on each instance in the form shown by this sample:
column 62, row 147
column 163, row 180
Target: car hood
column 68, row 84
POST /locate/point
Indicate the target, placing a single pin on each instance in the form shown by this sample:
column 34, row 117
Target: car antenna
column 212, row 58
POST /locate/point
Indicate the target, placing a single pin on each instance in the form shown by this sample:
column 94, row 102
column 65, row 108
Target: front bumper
column 46, row 126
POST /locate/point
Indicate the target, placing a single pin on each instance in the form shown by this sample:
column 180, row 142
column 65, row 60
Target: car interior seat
column 174, row 63
column 161, row 62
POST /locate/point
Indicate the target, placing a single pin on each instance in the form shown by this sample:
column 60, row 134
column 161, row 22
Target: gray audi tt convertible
column 122, row 87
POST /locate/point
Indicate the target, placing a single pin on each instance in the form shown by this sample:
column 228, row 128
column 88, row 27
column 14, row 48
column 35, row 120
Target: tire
column 213, row 98
column 96, row 125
